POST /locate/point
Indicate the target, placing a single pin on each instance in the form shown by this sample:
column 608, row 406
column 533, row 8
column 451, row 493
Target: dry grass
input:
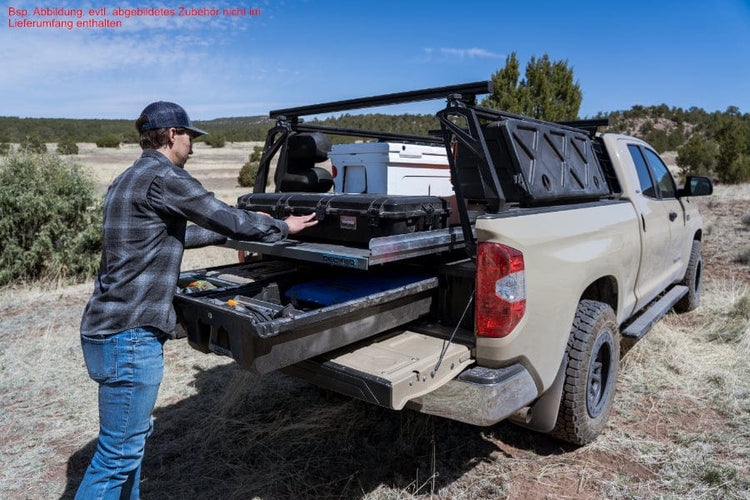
column 684, row 401
column 216, row 168
column 680, row 429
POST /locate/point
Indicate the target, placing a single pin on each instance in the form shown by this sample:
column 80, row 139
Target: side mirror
column 696, row 186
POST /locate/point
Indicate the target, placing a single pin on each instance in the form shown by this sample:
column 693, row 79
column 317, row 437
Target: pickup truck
column 562, row 248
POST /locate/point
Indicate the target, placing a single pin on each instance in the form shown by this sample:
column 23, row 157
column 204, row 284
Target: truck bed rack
column 497, row 159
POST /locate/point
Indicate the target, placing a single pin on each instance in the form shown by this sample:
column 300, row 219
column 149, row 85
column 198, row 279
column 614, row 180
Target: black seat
column 310, row 179
column 303, row 152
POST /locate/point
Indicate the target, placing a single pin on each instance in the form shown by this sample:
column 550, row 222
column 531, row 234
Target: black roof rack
column 466, row 90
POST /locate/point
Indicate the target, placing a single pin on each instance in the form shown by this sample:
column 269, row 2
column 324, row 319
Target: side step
column 654, row 312
column 387, row 372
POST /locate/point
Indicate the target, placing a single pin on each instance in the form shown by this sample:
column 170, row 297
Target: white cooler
column 391, row 168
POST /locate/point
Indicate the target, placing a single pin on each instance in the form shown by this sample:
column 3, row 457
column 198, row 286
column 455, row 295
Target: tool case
column 353, row 219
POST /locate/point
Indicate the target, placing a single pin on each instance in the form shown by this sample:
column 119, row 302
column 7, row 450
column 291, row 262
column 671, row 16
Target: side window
column 647, row 185
column 663, row 178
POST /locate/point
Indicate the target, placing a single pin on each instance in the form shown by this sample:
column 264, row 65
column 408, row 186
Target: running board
column 387, row 372
column 654, row 312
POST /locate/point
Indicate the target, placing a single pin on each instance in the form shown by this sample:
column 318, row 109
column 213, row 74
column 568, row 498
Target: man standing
column 130, row 314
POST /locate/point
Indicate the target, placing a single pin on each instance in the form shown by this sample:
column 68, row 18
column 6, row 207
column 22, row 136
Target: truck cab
column 670, row 221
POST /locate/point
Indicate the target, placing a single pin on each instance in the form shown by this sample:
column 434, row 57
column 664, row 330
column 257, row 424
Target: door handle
column 672, row 216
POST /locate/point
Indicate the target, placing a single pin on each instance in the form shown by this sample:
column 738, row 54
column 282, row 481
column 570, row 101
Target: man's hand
column 297, row 223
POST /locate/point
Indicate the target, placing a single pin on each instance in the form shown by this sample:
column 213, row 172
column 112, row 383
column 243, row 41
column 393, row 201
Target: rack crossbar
column 465, row 89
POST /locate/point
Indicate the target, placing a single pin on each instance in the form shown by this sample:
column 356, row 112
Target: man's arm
column 184, row 196
column 198, row 237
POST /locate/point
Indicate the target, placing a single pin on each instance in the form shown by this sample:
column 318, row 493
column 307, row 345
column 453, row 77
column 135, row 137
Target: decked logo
column 339, row 260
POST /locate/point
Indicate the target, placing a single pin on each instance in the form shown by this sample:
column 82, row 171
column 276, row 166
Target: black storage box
column 536, row 163
column 353, row 219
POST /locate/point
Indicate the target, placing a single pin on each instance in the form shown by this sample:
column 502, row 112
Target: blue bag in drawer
column 329, row 291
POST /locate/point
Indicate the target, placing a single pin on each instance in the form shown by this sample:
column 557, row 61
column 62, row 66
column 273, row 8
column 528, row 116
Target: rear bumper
column 480, row 396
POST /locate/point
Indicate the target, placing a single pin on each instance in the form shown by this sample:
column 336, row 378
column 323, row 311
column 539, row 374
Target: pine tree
column 507, row 94
column 548, row 90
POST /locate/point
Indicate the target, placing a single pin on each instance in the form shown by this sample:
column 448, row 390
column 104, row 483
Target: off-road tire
column 591, row 374
column 693, row 280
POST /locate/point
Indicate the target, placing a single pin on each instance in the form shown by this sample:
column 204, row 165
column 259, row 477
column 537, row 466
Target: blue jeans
column 128, row 366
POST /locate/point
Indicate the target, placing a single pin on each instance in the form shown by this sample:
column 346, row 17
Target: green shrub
column 737, row 171
column 216, row 140
column 257, row 154
column 32, row 144
column 67, row 147
column 249, row 170
column 248, row 173
column 50, row 220
column 130, row 137
column 5, row 149
column 108, row 141
column 697, row 156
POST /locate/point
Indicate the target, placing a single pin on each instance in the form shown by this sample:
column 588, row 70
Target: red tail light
column 334, row 171
column 500, row 300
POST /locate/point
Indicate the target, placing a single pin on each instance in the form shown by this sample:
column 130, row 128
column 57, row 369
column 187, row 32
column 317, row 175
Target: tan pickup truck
column 512, row 298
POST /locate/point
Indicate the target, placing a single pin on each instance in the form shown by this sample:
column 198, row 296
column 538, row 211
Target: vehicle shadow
column 244, row 436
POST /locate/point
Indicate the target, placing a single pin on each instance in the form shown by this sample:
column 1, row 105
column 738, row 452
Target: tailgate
column 271, row 314
column 390, row 370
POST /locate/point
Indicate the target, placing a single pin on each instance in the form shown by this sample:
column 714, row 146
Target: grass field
column 680, row 427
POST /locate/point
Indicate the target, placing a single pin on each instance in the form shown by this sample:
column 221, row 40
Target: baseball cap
column 162, row 114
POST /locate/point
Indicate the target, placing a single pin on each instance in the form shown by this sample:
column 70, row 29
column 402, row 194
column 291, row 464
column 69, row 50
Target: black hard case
column 536, row 163
column 353, row 219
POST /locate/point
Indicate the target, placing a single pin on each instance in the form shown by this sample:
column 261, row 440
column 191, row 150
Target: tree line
column 715, row 143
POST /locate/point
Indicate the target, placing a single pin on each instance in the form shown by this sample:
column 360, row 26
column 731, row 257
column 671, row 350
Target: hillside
column 658, row 122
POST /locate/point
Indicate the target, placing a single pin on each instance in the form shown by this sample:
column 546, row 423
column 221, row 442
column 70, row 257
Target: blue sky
column 681, row 53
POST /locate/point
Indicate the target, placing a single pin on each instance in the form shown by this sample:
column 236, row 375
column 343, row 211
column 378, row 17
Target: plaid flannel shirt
column 145, row 231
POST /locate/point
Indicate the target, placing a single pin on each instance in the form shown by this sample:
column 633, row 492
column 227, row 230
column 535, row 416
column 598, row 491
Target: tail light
column 334, row 171
column 500, row 300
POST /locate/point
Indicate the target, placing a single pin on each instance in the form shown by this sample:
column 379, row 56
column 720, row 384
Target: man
column 130, row 315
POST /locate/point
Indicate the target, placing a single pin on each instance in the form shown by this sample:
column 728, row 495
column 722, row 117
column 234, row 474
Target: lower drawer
column 277, row 314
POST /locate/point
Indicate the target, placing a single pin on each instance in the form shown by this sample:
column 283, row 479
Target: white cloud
column 109, row 73
column 470, row 53
column 445, row 54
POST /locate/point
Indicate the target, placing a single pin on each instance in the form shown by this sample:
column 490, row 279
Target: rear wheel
column 692, row 280
column 591, row 374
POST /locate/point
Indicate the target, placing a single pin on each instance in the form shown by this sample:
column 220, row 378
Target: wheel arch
column 605, row 290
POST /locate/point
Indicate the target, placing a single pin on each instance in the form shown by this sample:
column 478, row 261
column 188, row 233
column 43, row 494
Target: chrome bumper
column 480, row 396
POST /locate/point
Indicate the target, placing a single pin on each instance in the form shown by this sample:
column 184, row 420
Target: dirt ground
column 680, row 427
